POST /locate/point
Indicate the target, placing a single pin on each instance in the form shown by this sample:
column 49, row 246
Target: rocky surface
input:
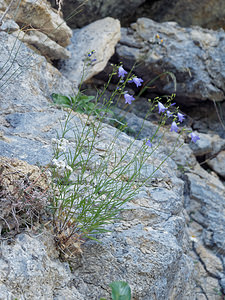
column 205, row 13
column 40, row 27
column 151, row 246
column 79, row 13
column 194, row 55
column 218, row 163
column 31, row 270
column 100, row 36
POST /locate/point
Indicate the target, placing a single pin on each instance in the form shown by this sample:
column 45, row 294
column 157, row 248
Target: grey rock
column 194, row 55
column 153, row 258
column 207, row 206
column 183, row 157
column 205, row 13
column 43, row 45
column 146, row 248
column 203, row 146
column 27, row 79
column 9, row 26
column 51, row 33
column 90, row 11
column 218, row 164
column 100, row 36
column 31, row 270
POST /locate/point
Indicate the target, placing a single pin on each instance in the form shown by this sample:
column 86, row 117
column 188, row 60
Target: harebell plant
column 93, row 176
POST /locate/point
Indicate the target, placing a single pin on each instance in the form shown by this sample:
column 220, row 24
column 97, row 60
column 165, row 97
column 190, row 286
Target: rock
column 212, row 263
column 30, row 80
column 207, row 287
column 183, row 157
column 41, row 16
column 203, row 146
column 194, row 55
column 218, row 164
column 31, row 270
column 9, row 26
column 100, row 36
column 90, row 11
column 209, row 144
column 205, row 13
column 44, row 45
column 49, row 30
column 207, row 206
column 147, row 248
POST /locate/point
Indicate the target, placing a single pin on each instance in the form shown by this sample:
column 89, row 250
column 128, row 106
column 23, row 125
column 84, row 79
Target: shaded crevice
column 204, row 266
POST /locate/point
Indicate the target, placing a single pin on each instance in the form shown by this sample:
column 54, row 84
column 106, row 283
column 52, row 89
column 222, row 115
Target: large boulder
column 194, row 55
column 100, row 36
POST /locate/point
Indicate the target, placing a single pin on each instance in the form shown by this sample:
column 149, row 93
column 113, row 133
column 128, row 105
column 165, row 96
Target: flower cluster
column 89, row 56
column 137, row 81
column 61, row 165
column 162, row 109
column 61, row 144
column 179, row 116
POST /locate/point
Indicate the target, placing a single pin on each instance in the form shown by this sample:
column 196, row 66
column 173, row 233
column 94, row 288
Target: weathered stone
column 28, row 81
column 211, row 262
column 207, row 206
column 49, row 32
column 194, row 55
column 9, row 26
column 90, row 11
column 100, row 36
column 43, row 44
column 209, row 144
column 30, row 269
column 147, row 248
column 183, row 157
column 207, row 287
column 205, row 13
column 218, row 164
column 41, row 16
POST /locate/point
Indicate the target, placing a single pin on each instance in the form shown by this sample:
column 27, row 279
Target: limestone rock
column 9, row 26
column 44, row 45
column 100, row 36
column 207, row 206
column 91, row 11
column 194, row 55
column 204, row 13
column 30, row 271
column 148, row 248
column 41, row 16
column 29, row 80
column 49, row 32
column 218, row 164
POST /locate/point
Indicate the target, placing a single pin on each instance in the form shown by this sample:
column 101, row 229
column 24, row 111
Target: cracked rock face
column 194, row 55
column 149, row 248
